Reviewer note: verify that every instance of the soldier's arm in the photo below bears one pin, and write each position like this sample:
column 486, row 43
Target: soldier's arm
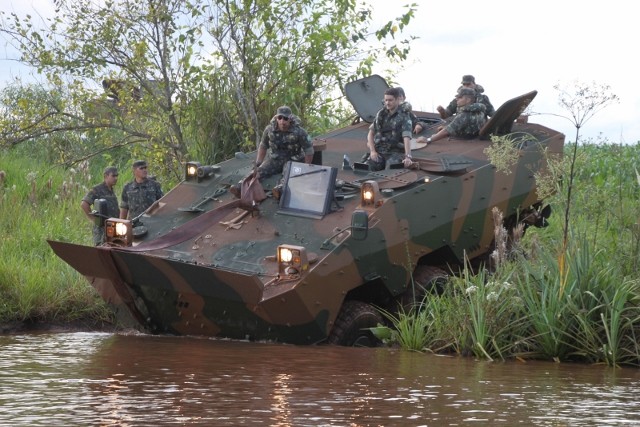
column 370, row 143
column 307, row 146
column 124, row 203
column 86, row 207
column 262, row 152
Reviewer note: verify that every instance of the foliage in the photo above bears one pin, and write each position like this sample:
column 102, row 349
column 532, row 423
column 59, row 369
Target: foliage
column 179, row 77
column 582, row 102
column 34, row 206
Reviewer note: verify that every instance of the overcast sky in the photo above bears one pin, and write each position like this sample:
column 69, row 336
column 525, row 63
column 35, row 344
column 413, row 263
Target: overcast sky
column 510, row 47
column 514, row 47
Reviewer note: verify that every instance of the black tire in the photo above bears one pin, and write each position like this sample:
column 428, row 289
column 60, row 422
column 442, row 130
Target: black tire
column 427, row 279
column 350, row 327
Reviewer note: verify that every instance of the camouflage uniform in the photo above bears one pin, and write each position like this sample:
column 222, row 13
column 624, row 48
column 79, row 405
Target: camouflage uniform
column 406, row 108
column 137, row 197
column 484, row 99
column 282, row 146
column 102, row 191
column 389, row 132
column 468, row 121
column 452, row 108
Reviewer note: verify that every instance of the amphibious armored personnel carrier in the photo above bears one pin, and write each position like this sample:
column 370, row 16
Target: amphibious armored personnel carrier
column 329, row 244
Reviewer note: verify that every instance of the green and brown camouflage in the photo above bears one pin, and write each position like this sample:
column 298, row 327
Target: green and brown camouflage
column 208, row 266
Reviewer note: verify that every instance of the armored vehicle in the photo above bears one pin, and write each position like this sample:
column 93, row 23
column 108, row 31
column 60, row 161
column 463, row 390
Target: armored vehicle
column 327, row 245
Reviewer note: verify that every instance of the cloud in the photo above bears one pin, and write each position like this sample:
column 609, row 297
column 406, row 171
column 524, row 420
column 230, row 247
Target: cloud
column 515, row 48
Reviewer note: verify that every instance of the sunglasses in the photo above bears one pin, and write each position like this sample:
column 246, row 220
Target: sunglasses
column 285, row 118
column 142, row 167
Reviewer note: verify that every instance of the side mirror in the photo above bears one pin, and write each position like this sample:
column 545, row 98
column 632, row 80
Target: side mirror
column 359, row 224
column 100, row 206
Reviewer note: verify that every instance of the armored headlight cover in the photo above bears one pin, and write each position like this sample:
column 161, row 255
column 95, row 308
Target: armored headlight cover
column 118, row 232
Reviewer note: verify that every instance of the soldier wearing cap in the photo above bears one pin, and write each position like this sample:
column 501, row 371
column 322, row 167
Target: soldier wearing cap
column 140, row 193
column 468, row 81
column 283, row 139
column 469, row 119
column 104, row 191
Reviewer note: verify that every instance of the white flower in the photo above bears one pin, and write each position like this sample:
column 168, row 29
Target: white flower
column 492, row 296
column 471, row 290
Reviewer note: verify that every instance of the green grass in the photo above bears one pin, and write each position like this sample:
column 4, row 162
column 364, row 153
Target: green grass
column 579, row 303
column 38, row 204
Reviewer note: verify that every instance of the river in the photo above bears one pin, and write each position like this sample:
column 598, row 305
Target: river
column 106, row 379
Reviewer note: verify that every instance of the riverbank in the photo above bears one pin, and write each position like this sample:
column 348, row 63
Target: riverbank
column 35, row 327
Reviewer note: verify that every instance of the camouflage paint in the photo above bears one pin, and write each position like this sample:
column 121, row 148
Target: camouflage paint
column 193, row 274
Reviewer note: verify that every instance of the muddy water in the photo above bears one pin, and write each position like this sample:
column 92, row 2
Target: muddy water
column 130, row 380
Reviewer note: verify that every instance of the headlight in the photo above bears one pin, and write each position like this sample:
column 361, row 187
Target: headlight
column 118, row 232
column 191, row 171
column 370, row 194
column 292, row 260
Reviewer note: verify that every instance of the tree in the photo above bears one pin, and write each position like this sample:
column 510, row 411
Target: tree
column 182, row 76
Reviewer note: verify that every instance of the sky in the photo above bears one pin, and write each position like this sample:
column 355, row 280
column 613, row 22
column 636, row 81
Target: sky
column 510, row 47
column 514, row 47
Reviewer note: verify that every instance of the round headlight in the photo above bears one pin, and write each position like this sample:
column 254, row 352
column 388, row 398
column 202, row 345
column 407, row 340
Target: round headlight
column 286, row 255
column 121, row 229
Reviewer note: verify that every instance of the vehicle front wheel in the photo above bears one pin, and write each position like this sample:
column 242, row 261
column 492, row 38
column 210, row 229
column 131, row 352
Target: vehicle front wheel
column 351, row 327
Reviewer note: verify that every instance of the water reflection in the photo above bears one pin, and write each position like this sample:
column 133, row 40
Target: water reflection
column 127, row 380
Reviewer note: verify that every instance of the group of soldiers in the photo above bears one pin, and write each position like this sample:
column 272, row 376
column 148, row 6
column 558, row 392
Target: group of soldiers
column 390, row 133
column 284, row 139
column 137, row 196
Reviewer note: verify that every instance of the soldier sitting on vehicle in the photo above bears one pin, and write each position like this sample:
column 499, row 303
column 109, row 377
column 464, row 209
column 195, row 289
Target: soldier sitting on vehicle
column 283, row 140
column 391, row 128
column 467, row 122
column 468, row 81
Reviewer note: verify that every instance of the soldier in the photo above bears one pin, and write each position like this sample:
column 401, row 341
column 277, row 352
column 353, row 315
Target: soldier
column 405, row 106
column 391, row 127
column 283, row 139
column 102, row 191
column 468, row 81
column 140, row 193
column 467, row 122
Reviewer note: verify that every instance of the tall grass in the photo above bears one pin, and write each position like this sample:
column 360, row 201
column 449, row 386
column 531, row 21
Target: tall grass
column 36, row 203
column 573, row 302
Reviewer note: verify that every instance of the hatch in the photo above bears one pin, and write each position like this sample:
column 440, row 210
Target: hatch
column 366, row 95
column 502, row 121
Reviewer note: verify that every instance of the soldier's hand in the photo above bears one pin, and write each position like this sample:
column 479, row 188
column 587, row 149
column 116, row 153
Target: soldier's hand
column 374, row 156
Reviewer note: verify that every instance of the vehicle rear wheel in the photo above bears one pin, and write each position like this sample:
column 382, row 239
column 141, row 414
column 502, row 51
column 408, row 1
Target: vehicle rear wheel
column 351, row 326
column 427, row 279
